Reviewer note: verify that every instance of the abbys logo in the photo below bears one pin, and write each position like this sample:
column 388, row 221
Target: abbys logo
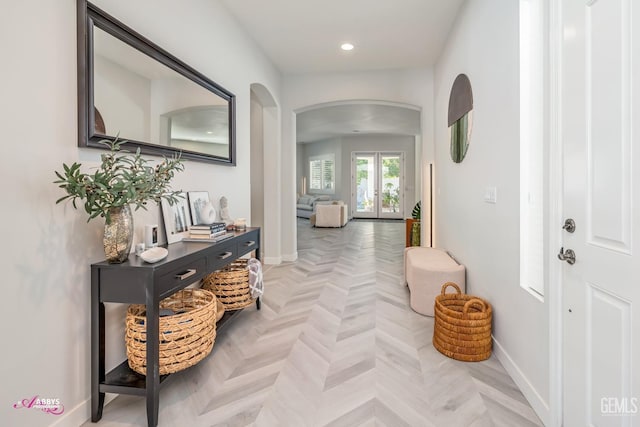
column 47, row 405
column 616, row 406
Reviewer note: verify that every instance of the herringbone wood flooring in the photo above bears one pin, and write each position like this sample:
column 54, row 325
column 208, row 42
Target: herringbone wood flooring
column 335, row 344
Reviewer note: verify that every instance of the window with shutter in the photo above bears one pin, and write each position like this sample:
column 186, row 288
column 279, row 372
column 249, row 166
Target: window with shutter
column 322, row 174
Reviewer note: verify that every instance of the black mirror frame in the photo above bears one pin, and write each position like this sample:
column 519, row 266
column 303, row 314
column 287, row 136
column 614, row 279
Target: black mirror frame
column 88, row 16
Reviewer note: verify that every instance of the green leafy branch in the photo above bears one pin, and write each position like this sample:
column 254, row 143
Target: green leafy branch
column 121, row 179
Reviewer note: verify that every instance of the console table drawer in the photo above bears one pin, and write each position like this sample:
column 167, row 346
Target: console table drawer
column 248, row 242
column 224, row 253
column 182, row 277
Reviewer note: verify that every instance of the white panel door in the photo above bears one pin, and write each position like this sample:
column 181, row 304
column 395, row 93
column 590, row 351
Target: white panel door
column 601, row 151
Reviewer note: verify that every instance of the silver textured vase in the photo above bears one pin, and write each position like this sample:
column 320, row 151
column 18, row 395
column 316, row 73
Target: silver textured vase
column 118, row 234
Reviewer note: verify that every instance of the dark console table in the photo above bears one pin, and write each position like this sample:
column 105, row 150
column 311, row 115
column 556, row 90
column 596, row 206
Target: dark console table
column 137, row 282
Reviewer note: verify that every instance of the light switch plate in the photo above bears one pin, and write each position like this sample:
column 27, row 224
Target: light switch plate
column 491, row 194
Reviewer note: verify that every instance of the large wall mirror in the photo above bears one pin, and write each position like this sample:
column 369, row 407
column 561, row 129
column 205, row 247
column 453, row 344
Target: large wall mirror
column 131, row 88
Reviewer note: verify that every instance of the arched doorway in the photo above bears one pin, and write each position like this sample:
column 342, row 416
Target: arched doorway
column 338, row 130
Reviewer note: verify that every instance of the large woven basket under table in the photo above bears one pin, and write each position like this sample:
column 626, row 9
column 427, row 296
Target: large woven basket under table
column 186, row 336
column 462, row 326
column 231, row 285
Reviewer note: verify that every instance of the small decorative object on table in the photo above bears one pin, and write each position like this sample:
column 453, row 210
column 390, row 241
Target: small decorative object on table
column 240, row 224
column 462, row 327
column 154, row 254
column 176, row 218
column 215, row 232
column 202, row 211
column 122, row 179
column 224, row 211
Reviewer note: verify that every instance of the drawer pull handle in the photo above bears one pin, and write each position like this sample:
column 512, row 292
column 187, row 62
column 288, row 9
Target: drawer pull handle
column 190, row 272
column 250, row 243
column 225, row 255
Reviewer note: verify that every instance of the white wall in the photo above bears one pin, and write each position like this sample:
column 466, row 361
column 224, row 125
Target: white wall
column 409, row 87
column 484, row 237
column 319, row 148
column 49, row 248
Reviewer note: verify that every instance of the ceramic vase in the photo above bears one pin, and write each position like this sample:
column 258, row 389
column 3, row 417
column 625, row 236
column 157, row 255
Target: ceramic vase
column 118, row 234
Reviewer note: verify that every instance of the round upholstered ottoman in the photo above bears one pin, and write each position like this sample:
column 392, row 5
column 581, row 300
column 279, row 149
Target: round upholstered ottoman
column 425, row 271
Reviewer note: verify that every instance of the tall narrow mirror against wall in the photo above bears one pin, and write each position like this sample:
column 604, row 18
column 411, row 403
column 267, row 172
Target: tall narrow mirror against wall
column 137, row 91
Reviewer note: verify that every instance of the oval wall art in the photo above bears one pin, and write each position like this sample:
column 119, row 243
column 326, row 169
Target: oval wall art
column 460, row 117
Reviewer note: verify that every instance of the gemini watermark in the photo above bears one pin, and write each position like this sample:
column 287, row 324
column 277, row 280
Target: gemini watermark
column 615, row 406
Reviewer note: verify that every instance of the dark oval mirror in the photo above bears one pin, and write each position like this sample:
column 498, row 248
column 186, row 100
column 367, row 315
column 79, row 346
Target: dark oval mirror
column 131, row 88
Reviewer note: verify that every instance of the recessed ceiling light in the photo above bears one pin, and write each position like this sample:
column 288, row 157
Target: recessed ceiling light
column 346, row 46
column 209, row 132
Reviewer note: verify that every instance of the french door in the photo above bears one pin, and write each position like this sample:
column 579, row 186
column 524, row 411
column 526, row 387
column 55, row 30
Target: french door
column 377, row 184
column 601, row 278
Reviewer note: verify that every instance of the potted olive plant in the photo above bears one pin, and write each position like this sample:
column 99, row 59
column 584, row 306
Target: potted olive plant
column 123, row 179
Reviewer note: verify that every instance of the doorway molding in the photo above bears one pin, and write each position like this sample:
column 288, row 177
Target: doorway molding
column 554, row 284
column 265, row 141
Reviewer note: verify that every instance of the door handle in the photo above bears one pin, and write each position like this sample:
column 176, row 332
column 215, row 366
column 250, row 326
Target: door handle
column 569, row 225
column 568, row 255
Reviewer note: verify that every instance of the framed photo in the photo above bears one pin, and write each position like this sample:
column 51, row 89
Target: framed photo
column 198, row 200
column 176, row 219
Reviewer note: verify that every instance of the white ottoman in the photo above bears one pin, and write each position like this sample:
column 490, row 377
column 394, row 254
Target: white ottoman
column 333, row 215
column 425, row 271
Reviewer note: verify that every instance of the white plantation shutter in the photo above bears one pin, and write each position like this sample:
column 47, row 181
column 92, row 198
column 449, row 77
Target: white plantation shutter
column 327, row 174
column 322, row 172
column 315, row 168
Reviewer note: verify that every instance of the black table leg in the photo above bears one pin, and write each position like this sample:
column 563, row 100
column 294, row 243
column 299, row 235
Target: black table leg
column 258, row 303
column 97, row 349
column 153, row 370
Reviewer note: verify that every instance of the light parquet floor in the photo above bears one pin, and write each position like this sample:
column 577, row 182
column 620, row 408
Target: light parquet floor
column 335, row 344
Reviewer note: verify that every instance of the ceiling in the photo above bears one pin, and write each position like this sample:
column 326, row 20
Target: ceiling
column 304, row 36
column 352, row 119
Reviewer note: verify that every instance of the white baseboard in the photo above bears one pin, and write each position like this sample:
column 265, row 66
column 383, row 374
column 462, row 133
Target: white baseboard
column 272, row 260
column 80, row 414
column 290, row 258
column 535, row 400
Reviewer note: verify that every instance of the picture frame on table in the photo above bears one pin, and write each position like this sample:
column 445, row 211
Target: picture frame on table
column 177, row 219
column 200, row 205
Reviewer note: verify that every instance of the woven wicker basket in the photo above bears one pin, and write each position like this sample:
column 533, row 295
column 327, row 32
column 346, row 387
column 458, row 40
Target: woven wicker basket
column 462, row 327
column 186, row 337
column 230, row 285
